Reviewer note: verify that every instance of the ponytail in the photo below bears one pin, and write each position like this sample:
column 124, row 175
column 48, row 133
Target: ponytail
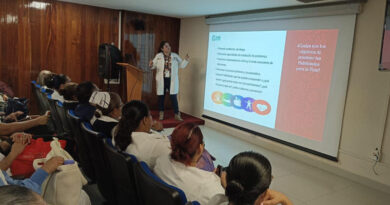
column 132, row 114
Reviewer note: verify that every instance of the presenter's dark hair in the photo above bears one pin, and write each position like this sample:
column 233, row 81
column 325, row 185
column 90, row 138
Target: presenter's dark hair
column 185, row 141
column 18, row 195
column 132, row 114
column 247, row 176
column 162, row 43
column 84, row 91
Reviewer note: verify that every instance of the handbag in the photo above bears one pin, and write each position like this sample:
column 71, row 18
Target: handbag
column 64, row 186
column 23, row 164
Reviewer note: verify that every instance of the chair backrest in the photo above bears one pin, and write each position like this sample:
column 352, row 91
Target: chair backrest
column 123, row 174
column 103, row 172
column 152, row 190
column 36, row 90
column 81, row 146
column 54, row 115
column 62, row 115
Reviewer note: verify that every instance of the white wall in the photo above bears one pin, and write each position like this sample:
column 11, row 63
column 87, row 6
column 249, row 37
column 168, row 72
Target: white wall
column 366, row 109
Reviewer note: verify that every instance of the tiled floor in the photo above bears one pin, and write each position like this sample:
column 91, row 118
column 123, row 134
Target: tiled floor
column 302, row 183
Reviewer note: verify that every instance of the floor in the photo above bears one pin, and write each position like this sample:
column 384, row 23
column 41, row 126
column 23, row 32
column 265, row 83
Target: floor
column 302, row 183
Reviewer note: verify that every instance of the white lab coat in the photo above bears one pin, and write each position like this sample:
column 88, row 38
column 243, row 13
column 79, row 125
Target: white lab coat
column 198, row 185
column 176, row 63
column 148, row 147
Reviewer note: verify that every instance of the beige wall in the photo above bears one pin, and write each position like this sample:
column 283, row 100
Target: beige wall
column 364, row 122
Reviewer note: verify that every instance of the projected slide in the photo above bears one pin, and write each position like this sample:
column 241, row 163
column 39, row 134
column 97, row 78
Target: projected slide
column 276, row 79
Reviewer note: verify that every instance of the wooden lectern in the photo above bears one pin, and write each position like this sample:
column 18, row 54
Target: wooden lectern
column 134, row 78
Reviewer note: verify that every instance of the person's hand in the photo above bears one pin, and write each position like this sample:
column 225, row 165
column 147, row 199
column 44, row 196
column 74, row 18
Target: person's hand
column 42, row 120
column 21, row 137
column 187, row 58
column 274, row 197
column 13, row 117
column 20, row 142
column 157, row 126
column 51, row 165
column 151, row 63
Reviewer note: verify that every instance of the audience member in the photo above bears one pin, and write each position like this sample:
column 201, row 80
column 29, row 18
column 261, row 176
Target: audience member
column 18, row 195
column 107, row 113
column 179, row 168
column 134, row 135
column 41, row 77
column 9, row 128
column 35, row 181
column 246, row 182
column 55, row 83
column 69, row 93
column 84, row 109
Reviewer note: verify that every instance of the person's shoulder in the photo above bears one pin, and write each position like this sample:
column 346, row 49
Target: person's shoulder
column 159, row 55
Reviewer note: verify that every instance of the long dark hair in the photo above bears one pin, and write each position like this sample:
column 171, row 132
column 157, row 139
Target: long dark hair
column 132, row 114
column 247, row 177
column 84, row 91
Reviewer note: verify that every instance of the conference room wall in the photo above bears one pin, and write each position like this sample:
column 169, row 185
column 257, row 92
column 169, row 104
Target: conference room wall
column 61, row 37
column 366, row 106
column 64, row 38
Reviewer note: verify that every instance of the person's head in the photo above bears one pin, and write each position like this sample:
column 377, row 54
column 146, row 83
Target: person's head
column 55, row 81
column 135, row 117
column 114, row 107
column 69, row 91
column 165, row 47
column 187, row 143
column 41, row 76
column 18, row 195
column 84, row 91
column 248, row 177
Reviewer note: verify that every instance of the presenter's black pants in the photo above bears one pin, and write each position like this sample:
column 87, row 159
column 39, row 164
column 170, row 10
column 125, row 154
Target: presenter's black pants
column 161, row 98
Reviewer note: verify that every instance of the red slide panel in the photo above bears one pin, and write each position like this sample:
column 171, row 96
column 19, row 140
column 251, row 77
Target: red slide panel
column 305, row 82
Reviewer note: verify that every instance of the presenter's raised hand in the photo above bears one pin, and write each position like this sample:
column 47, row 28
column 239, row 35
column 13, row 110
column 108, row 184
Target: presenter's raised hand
column 151, row 63
column 187, row 58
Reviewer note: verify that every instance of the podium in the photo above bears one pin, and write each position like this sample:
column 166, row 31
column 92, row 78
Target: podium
column 134, row 80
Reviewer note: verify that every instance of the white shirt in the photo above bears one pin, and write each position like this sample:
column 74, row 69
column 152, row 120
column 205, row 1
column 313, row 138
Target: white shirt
column 219, row 199
column 176, row 63
column 56, row 96
column 148, row 147
column 197, row 184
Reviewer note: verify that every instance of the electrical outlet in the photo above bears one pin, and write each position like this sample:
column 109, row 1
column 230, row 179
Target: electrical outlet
column 375, row 155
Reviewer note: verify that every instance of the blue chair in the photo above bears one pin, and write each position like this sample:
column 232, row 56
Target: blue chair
column 81, row 146
column 55, row 117
column 103, row 171
column 62, row 116
column 152, row 190
column 123, row 174
column 37, row 92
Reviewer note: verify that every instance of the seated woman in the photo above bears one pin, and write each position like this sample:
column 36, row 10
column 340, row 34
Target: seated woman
column 107, row 113
column 69, row 94
column 84, row 110
column 35, row 181
column 56, row 82
column 179, row 168
column 42, row 75
column 246, row 181
column 133, row 134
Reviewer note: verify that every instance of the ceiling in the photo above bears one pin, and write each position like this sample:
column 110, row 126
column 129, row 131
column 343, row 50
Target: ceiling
column 187, row 8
